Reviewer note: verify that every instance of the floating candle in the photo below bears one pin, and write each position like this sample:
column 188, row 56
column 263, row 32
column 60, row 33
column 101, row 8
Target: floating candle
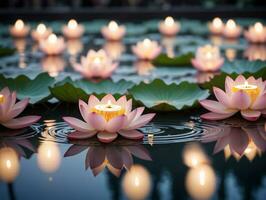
column 256, row 33
column 146, row 49
column 251, row 90
column 19, row 29
column 109, row 110
column 41, row 32
column 52, row 45
column 231, row 29
column 169, row 26
column 96, row 65
column 208, row 58
column 216, row 26
column 73, row 30
column 113, row 31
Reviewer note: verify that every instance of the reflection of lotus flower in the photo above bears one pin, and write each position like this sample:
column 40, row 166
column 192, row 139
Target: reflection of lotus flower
column 146, row 49
column 96, row 65
column 114, row 49
column 113, row 31
column 144, row 67
column 9, row 109
column 239, row 141
column 53, row 45
column 256, row 33
column 208, row 58
column 255, row 52
column 108, row 118
column 53, row 65
column 245, row 95
column 203, row 77
column 114, row 157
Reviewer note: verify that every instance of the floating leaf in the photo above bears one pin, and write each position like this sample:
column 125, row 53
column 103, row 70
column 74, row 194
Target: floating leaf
column 242, row 66
column 37, row 89
column 71, row 91
column 181, row 60
column 162, row 97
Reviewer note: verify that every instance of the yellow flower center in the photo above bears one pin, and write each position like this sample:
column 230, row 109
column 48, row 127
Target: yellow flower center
column 109, row 110
column 2, row 98
column 252, row 90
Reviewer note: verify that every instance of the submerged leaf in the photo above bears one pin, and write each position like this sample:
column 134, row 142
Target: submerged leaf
column 162, row 97
column 181, row 60
column 37, row 89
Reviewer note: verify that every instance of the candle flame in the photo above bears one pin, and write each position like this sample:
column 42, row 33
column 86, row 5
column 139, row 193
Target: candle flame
column 258, row 27
column 41, row 28
column 8, row 164
column 231, row 24
column 52, row 38
column 97, row 60
column 19, row 24
column 147, row 42
column 217, row 22
column 1, row 98
column 169, row 21
column 72, row 24
column 113, row 26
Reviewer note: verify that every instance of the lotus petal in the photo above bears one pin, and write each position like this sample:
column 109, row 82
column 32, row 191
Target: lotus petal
column 77, row 124
column 21, row 122
column 106, row 137
column 251, row 115
column 216, row 116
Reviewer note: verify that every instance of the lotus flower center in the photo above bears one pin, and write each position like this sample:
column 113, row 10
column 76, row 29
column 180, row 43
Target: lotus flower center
column 252, row 90
column 2, row 98
column 109, row 110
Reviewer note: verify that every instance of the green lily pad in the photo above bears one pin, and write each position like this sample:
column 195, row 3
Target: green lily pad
column 6, row 51
column 181, row 60
column 37, row 89
column 242, row 66
column 71, row 91
column 159, row 96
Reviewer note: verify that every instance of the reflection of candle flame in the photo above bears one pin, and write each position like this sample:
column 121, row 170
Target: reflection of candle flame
column 9, row 164
column 48, row 157
column 137, row 183
column 193, row 155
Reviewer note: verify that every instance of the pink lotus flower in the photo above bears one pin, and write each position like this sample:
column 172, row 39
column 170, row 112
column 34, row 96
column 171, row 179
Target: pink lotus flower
column 239, row 140
column 53, row 45
column 245, row 95
column 96, row 65
column 256, row 33
column 169, row 27
column 147, row 49
column 114, row 157
column 108, row 118
column 231, row 29
column 19, row 30
column 73, row 29
column 208, row 59
column 9, row 109
column 113, row 32
column 41, row 32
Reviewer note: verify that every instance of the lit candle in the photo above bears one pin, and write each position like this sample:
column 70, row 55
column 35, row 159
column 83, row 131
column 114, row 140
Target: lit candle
column 109, row 110
column 169, row 26
column 113, row 31
column 19, row 29
column 146, row 49
column 232, row 30
column 73, row 29
column 52, row 45
column 208, row 58
column 216, row 26
column 256, row 33
column 41, row 32
column 250, row 89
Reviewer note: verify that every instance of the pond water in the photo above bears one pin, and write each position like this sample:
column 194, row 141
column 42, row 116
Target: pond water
column 181, row 156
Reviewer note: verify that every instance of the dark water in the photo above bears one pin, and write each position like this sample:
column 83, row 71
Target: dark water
column 181, row 157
